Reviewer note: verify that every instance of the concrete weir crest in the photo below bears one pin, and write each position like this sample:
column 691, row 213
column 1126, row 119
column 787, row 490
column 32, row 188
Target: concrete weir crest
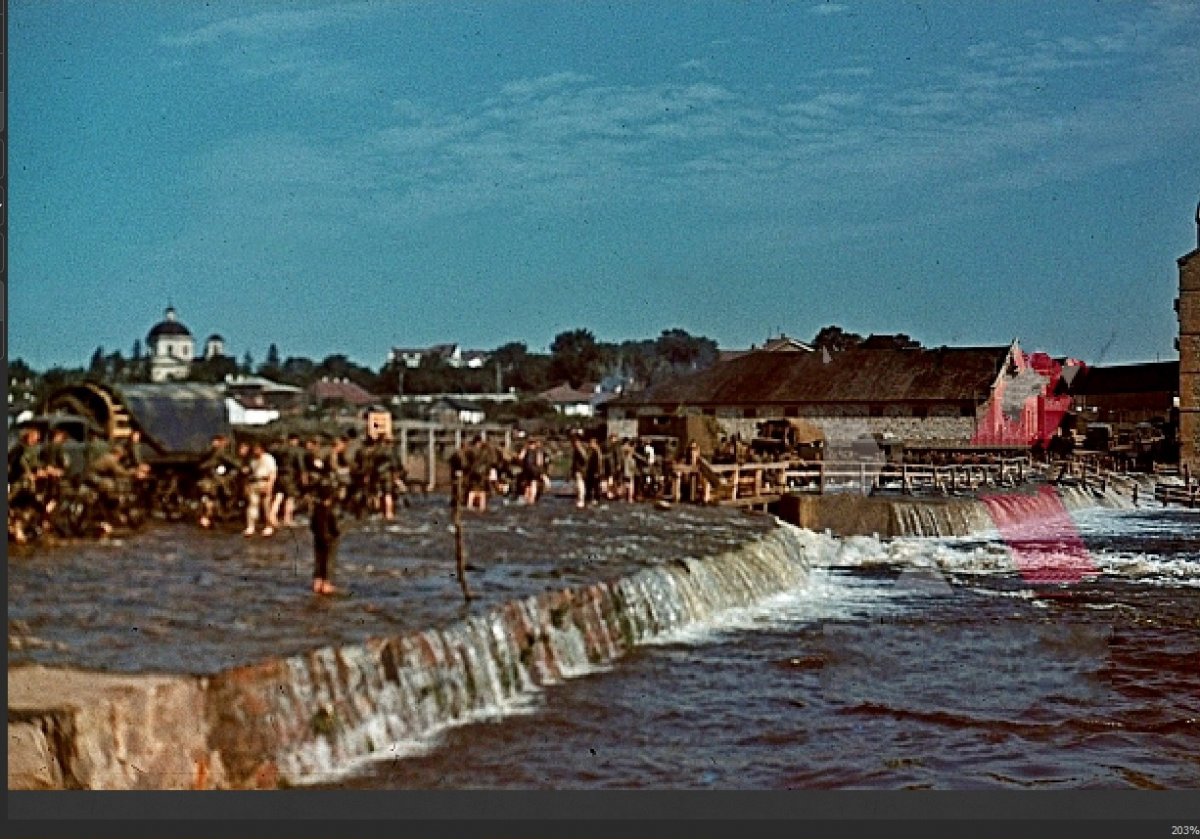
column 321, row 714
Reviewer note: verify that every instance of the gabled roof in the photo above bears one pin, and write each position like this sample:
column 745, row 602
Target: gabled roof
column 259, row 383
column 348, row 392
column 785, row 344
column 1149, row 377
column 856, row 375
column 565, row 394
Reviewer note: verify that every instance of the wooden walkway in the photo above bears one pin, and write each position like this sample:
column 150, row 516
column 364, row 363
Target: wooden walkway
column 760, row 484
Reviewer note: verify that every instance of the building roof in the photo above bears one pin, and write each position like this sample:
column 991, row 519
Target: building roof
column 564, row 394
column 258, row 383
column 169, row 325
column 856, row 375
column 1149, row 377
column 343, row 391
column 785, row 343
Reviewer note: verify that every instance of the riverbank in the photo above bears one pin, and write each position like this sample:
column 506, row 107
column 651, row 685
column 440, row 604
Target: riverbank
column 575, row 602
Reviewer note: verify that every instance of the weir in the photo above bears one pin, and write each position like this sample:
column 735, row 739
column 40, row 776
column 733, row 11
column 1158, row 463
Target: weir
column 322, row 713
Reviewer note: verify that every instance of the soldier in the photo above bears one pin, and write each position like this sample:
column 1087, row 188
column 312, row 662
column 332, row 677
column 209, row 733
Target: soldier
column 290, row 461
column 579, row 464
column 533, row 467
column 24, row 470
column 326, row 531
column 260, row 490
column 390, row 475
column 481, row 471
column 55, row 465
column 105, row 474
column 218, row 474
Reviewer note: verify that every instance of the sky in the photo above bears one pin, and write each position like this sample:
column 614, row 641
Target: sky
column 343, row 178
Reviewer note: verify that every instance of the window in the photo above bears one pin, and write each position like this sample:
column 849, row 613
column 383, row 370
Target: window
column 749, row 413
column 875, row 411
column 920, row 412
column 791, row 412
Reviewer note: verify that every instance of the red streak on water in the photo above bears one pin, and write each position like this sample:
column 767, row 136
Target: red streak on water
column 1044, row 540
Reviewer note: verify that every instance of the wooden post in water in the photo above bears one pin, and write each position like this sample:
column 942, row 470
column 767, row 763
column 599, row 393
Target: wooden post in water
column 460, row 553
column 431, row 462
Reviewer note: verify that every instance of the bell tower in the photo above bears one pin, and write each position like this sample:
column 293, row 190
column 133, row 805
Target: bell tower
column 1188, row 307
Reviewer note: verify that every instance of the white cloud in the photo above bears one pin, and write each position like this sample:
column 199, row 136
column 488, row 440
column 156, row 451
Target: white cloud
column 975, row 123
column 829, row 8
column 269, row 24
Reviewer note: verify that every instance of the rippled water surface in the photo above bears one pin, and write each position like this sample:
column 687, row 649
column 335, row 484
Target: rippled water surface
column 174, row 598
column 903, row 665
column 911, row 663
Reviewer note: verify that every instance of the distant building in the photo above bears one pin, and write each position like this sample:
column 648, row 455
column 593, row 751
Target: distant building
column 572, row 402
column 450, row 410
column 1125, row 394
column 948, row 397
column 214, row 347
column 171, row 348
column 255, row 400
column 340, row 392
column 782, row 343
column 1188, row 307
column 452, row 354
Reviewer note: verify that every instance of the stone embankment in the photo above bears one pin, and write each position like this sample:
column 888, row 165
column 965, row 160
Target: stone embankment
column 318, row 714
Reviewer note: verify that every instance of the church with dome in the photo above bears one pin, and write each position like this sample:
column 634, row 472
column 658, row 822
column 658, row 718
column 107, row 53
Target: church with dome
column 172, row 348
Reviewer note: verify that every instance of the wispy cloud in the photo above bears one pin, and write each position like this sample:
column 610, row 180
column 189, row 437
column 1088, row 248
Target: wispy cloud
column 273, row 24
column 978, row 122
column 829, row 9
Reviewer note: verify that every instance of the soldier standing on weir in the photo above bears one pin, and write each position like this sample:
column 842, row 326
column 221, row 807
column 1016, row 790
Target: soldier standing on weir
column 326, row 531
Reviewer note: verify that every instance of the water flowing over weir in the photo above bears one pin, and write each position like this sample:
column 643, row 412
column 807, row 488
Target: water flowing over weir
column 321, row 714
column 417, row 666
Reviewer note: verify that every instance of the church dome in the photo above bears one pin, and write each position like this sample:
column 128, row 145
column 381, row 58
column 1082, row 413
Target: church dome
column 169, row 327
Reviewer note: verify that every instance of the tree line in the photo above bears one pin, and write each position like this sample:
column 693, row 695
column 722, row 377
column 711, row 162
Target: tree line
column 576, row 357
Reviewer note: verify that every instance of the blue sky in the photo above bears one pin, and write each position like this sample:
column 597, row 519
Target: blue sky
column 347, row 177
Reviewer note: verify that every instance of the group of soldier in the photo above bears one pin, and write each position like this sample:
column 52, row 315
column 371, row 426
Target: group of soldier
column 616, row 469
column 56, row 485
column 273, row 483
column 266, row 483
column 68, row 488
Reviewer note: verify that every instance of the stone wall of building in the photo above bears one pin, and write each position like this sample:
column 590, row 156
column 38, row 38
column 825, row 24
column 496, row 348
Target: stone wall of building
column 842, row 424
column 1189, row 360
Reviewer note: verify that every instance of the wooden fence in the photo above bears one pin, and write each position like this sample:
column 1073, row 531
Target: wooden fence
column 760, row 484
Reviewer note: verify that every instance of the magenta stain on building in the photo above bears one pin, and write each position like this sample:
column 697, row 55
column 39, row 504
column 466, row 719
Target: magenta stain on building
column 1025, row 407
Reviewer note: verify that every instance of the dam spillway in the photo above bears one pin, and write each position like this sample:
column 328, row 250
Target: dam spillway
column 567, row 594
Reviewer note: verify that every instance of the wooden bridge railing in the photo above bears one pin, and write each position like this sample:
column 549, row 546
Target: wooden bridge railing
column 752, row 484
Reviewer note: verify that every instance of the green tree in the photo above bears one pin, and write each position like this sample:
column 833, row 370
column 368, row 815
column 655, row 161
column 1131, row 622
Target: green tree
column 97, row 369
column 834, row 339
column 575, row 357
column 213, row 370
column 270, row 368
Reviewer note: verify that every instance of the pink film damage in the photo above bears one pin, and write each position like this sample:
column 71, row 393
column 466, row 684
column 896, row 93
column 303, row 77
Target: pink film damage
column 1044, row 540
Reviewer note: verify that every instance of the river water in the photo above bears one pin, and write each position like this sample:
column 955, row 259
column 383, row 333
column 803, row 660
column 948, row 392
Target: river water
column 912, row 663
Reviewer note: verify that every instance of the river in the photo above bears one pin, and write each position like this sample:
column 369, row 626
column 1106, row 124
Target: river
column 911, row 663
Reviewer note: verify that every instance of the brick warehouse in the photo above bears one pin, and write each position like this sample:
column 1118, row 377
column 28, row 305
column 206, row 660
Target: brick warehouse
column 1188, row 307
column 948, row 397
